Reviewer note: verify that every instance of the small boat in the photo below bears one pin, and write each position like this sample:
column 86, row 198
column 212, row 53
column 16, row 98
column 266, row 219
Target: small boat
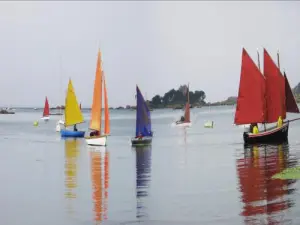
column 143, row 132
column 46, row 111
column 268, row 98
column 96, row 138
column 73, row 114
column 185, row 120
column 209, row 124
column 6, row 111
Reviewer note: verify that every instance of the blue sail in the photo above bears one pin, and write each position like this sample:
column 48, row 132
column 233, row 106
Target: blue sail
column 143, row 120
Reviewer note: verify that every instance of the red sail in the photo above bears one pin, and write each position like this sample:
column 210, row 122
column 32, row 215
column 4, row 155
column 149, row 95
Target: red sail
column 187, row 118
column 251, row 104
column 46, row 108
column 274, row 86
column 291, row 105
column 283, row 95
column 187, row 113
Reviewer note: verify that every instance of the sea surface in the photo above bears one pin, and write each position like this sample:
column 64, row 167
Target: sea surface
column 188, row 176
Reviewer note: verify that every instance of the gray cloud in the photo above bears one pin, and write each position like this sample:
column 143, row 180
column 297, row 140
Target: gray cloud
column 158, row 45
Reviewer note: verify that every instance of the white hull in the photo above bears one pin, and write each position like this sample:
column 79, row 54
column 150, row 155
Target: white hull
column 45, row 118
column 58, row 125
column 58, row 128
column 61, row 122
column 182, row 124
column 96, row 141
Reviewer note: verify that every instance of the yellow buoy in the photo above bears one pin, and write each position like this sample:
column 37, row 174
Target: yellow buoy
column 35, row 123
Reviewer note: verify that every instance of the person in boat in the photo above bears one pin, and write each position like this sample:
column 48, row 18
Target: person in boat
column 94, row 133
column 279, row 122
column 75, row 128
column 181, row 120
column 254, row 128
column 139, row 136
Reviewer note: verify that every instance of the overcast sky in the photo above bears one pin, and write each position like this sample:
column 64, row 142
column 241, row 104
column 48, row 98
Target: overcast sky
column 157, row 45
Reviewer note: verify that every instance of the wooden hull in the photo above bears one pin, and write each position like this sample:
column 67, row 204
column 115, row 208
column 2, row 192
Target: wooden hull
column 71, row 133
column 141, row 141
column 275, row 135
column 96, row 140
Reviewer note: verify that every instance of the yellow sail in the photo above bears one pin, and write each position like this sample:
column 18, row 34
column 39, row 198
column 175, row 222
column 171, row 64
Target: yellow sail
column 96, row 115
column 73, row 113
column 106, row 110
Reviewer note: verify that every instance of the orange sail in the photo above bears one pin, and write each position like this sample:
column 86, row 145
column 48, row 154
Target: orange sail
column 96, row 116
column 274, row 89
column 251, row 104
column 46, row 108
column 106, row 110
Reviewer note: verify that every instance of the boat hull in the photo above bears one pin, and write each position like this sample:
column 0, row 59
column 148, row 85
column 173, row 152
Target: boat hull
column 141, row 141
column 184, row 124
column 274, row 135
column 96, row 140
column 45, row 118
column 70, row 133
column 209, row 124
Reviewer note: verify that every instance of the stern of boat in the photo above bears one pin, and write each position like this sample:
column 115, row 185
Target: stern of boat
column 96, row 140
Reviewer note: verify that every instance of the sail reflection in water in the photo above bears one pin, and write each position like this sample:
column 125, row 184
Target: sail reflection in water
column 71, row 155
column 143, row 177
column 100, row 177
column 265, row 199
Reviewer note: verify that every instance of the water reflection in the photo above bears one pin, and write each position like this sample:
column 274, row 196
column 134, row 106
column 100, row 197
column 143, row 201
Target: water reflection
column 71, row 155
column 143, row 177
column 265, row 199
column 100, row 178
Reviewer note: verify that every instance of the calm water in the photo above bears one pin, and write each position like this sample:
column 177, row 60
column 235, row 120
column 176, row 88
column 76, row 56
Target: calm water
column 192, row 176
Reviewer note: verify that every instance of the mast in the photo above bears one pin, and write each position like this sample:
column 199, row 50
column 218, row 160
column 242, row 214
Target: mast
column 283, row 92
column 188, row 94
column 278, row 60
column 258, row 60
column 60, row 83
column 258, row 63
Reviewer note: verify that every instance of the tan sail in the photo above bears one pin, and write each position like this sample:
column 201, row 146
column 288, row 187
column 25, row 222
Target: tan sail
column 106, row 110
column 96, row 115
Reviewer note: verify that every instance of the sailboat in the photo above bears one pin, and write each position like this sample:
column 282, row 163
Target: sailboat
column 96, row 138
column 46, row 111
column 185, row 120
column 73, row 114
column 267, row 99
column 143, row 132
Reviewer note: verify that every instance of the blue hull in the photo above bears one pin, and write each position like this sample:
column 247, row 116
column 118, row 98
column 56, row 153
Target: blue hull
column 71, row 133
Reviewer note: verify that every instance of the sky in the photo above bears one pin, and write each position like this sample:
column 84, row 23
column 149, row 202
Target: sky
column 157, row 45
